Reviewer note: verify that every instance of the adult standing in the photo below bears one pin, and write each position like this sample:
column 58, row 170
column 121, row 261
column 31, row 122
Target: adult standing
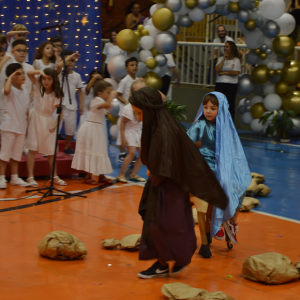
column 293, row 8
column 133, row 16
column 228, row 68
column 110, row 50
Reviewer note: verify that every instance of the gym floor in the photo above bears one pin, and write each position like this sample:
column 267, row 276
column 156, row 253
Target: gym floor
column 111, row 212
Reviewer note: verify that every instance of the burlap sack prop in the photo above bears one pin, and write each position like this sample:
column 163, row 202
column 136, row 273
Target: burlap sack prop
column 249, row 203
column 195, row 216
column 270, row 268
column 256, row 189
column 258, row 178
column 131, row 242
column 178, row 290
column 61, row 245
column 110, row 243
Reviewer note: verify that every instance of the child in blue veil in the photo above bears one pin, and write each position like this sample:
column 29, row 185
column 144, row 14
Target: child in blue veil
column 215, row 135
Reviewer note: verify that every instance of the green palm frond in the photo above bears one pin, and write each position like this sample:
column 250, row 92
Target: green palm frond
column 176, row 110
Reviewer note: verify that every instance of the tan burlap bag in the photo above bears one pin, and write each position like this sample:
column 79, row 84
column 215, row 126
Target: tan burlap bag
column 256, row 189
column 263, row 190
column 270, row 268
column 249, row 203
column 61, row 245
column 178, row 290
column 258, row 178
column 110, row 243
column 131, row 242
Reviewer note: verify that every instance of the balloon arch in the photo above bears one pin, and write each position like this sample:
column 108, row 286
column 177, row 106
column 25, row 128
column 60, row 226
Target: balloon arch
column 266, row 27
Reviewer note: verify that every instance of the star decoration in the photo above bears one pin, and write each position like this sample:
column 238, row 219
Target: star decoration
column 84, row 20
column 51, row 5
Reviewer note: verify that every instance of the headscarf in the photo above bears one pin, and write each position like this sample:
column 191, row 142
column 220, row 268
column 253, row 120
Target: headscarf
column 232, row 168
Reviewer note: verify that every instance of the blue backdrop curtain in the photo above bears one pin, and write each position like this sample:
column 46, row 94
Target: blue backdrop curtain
column 82, row 35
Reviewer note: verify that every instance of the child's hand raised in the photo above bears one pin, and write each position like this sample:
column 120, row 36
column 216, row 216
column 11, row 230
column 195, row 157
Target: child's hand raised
column 75, row 56
column 44, row 75
column 16, row 74
column 113, row 94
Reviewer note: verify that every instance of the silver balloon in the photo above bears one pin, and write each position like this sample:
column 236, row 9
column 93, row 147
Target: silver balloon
column 243, row 16
column 219, row 9
column 252, row 58
column 225, row 10
column 260, row 22
column 161, row 60
column 258, row 89
column 165, row 42
column 142, row 70
column 185, row 21
column 203, row 4
column 245, row 85
column 296, row 128
column 269, row 51
column 211, row 2
column 281, row 59
column 177, row 27
column 245, row 4
column 247, row 108
column 173, row 5
column 116, row 66
column 263, row 48
column 247, row 102
column 271, row 29
column 241, row 109
column 253, row 6
column 115, row 108
column 254, row 9
column 275, row 79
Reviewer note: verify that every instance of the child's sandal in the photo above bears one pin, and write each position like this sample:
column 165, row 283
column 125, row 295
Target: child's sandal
column 32, row 183
column 103, row 179
column 121, row 179
column 90, row 181
column 59, row 181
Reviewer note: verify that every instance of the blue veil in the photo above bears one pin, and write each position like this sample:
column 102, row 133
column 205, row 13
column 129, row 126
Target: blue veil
column 232, row 168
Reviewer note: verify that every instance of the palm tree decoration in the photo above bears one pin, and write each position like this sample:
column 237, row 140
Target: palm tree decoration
column 280, row 124
column 177, row 111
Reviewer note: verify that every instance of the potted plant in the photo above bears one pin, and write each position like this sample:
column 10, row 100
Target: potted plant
column 176, row 110
column 279, row 125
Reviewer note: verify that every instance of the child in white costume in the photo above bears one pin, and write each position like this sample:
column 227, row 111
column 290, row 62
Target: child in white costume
column 41, row 129
column 91, row 153
column 44, row 57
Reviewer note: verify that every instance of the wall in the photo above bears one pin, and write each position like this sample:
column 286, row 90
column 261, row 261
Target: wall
column 117, row 14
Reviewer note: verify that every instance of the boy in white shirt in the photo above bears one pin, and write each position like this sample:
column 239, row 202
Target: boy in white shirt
column 14, row 125
column 70, row 110
column 131, row 65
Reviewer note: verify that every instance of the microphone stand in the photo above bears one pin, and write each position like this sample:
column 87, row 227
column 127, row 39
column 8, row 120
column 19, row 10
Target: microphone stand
column 48, row 191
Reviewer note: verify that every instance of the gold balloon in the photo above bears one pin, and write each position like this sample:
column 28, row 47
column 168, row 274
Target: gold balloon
column 281, row 87
column 154, row 52
column 278, row 72
column 127, row 40
column 153, row 80
column 140, row 27
column 250, row 25
column 212, row 2
column 145, row 32
column 283, row 46
column 271, row 72
column 260, row 74
column 234, row 7
column 151, row 63
column 291, row 72
column 263, row 55
column 257, row 110
column 257, row 51
column 138, row 34
column 112, row 119
column 291, row 101
column 257, row 3
column 191, row 3
column 163, row 19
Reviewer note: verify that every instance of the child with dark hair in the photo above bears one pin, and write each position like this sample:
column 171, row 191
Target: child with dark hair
column 44, row 57
column 91, row 153
column 14, row 125
column 57, row 42
column 131, row 66
column 215, row 135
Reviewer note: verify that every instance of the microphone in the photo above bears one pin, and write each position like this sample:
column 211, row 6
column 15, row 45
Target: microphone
column 56, row 26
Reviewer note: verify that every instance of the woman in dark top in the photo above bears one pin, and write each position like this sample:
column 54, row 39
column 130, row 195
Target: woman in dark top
column 133, row 16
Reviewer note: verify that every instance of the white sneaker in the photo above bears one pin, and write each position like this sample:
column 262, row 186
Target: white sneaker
column 3, row 184
column 19, row 182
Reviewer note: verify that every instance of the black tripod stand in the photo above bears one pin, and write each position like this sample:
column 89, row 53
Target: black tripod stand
column 49, row 190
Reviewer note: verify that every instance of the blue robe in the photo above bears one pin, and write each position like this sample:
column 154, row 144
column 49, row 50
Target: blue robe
column 231, row 165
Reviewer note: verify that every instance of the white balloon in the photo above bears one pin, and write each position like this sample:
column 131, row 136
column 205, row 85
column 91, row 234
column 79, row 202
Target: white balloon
column 150, row 22
column 163, row 71
column 147, row 42
column 254, row 39
column 256, row 126
column 183, row 10
column 210, row 9
column 153, row 31
column 231, row 16
column 176, row 17
column 196, row 14
column 286, row 23
column 268, row 41
column 153, row 9
column 142, row 70
column 278, row 65
column 114, row 131
column 256, row 99
column 145, row 55
column 173, row 29
column 156, row 70
column 116, row 66
column 247, row 118
column 134, row 54
column 269, row 88
column 272, row 102
column 271, row 63
column 272, row 9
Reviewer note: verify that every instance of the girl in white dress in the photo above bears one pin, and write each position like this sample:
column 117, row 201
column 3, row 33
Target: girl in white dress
column 130, row 137
column 44, row 57
column 91, row 153
column 41, row 130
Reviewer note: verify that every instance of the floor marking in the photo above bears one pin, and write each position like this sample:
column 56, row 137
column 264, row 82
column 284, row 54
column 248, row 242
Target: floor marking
column 274, row 216
column 13, row 199
column 270, row 142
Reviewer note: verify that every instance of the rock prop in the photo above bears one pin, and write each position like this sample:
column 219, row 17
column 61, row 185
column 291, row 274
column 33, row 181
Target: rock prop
column 61, row 245
column 257, row 188
column 178, row 290
column 249, row 203
column 129, row 243
column 270, row 268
